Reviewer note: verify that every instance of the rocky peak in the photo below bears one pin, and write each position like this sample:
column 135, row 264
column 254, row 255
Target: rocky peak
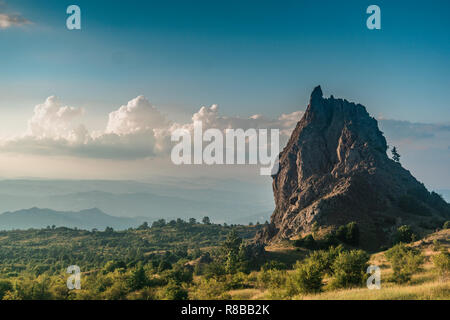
column 334, row 169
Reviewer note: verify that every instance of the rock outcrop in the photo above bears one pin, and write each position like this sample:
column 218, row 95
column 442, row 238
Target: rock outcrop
column 335, row 169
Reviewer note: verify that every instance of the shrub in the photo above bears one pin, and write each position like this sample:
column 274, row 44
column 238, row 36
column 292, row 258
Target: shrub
column 208, row 289
column 404, row 234
column 307, row 242
column 441, row 262
column 348, row 233
column 307, row 277
column 326, row 258
column 274, row 265
column 446, row 224
column 138, row 278
column 5, row 286
column 349, row 268
column 271, row 279
column 174, row 291
column 405, row 262
column 214, row 270
column 179, row 274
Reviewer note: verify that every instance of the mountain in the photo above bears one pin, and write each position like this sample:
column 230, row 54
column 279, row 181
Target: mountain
column 335, row 170
column 85, row 219
column 223, row 200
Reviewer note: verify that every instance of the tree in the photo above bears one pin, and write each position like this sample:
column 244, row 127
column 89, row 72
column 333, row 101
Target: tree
column 308, row 277
column 206, row 220
column 174, row 291
column 441, row 262
column 109, row 230
column 405, row 262
column 404, row 234
column 5, row 286
column 348, row 233
column 349, row 268
column 138, row 279
column 395, row 155
column 159, row 223
column 143, row 226
column 192, row 221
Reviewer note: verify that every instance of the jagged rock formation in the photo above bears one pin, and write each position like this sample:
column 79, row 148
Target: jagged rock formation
column 335, row 169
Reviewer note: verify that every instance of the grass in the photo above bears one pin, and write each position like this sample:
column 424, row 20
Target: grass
column 425, row 285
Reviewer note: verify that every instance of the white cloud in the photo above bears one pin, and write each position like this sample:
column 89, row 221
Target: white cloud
column 135, row 130
column 53, row 121
column 137, row 116
column 11, row 20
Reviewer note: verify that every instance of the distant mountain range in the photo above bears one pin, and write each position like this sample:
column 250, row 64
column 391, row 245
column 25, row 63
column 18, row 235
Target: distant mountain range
column 85, row 219
column 221, row 200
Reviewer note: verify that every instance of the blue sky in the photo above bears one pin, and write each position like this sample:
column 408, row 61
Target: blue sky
column 249, row 57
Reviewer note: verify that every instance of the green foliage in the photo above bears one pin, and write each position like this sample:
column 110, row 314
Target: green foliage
column 143, row 226
column 405, row 262
column 179, row 274
column 206, row 220
column 5, row 286
column 214, row 269
column 307, row 277
column 273, row 265
column 446, row 225
column 441, row 262
column 395, row 155
column 349, row 268
column 307, row 242
column 159, row 223
column 271, row 279
column 326, row 258
column 404, row 234
column 348, row 233
column 138, row 278
column 174, row 291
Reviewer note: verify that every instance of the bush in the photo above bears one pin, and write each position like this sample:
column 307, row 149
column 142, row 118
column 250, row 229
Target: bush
column 138, row 278
column 214, row 270
column 179, row 274
column 441, row 262
column 271, row 279
column 307, row 242
column 404, row 234
column 5, row 286
column 273, row 265
column 405, row 262
column 307, row 277
column 174, row 291
column 349, row 269
column 446, row 224
column 326, row 258
column 348, row 233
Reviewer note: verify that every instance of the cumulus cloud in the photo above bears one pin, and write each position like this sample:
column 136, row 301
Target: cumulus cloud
column 135, row 130
column 137, row 116
column 11, row 20
column 54, row 121
column 139, row 130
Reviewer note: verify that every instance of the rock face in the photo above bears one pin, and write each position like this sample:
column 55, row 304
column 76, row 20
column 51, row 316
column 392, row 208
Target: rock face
column 335, row 169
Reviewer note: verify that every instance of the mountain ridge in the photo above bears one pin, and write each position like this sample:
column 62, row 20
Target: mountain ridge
column 87, row 219
column 335, row 170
